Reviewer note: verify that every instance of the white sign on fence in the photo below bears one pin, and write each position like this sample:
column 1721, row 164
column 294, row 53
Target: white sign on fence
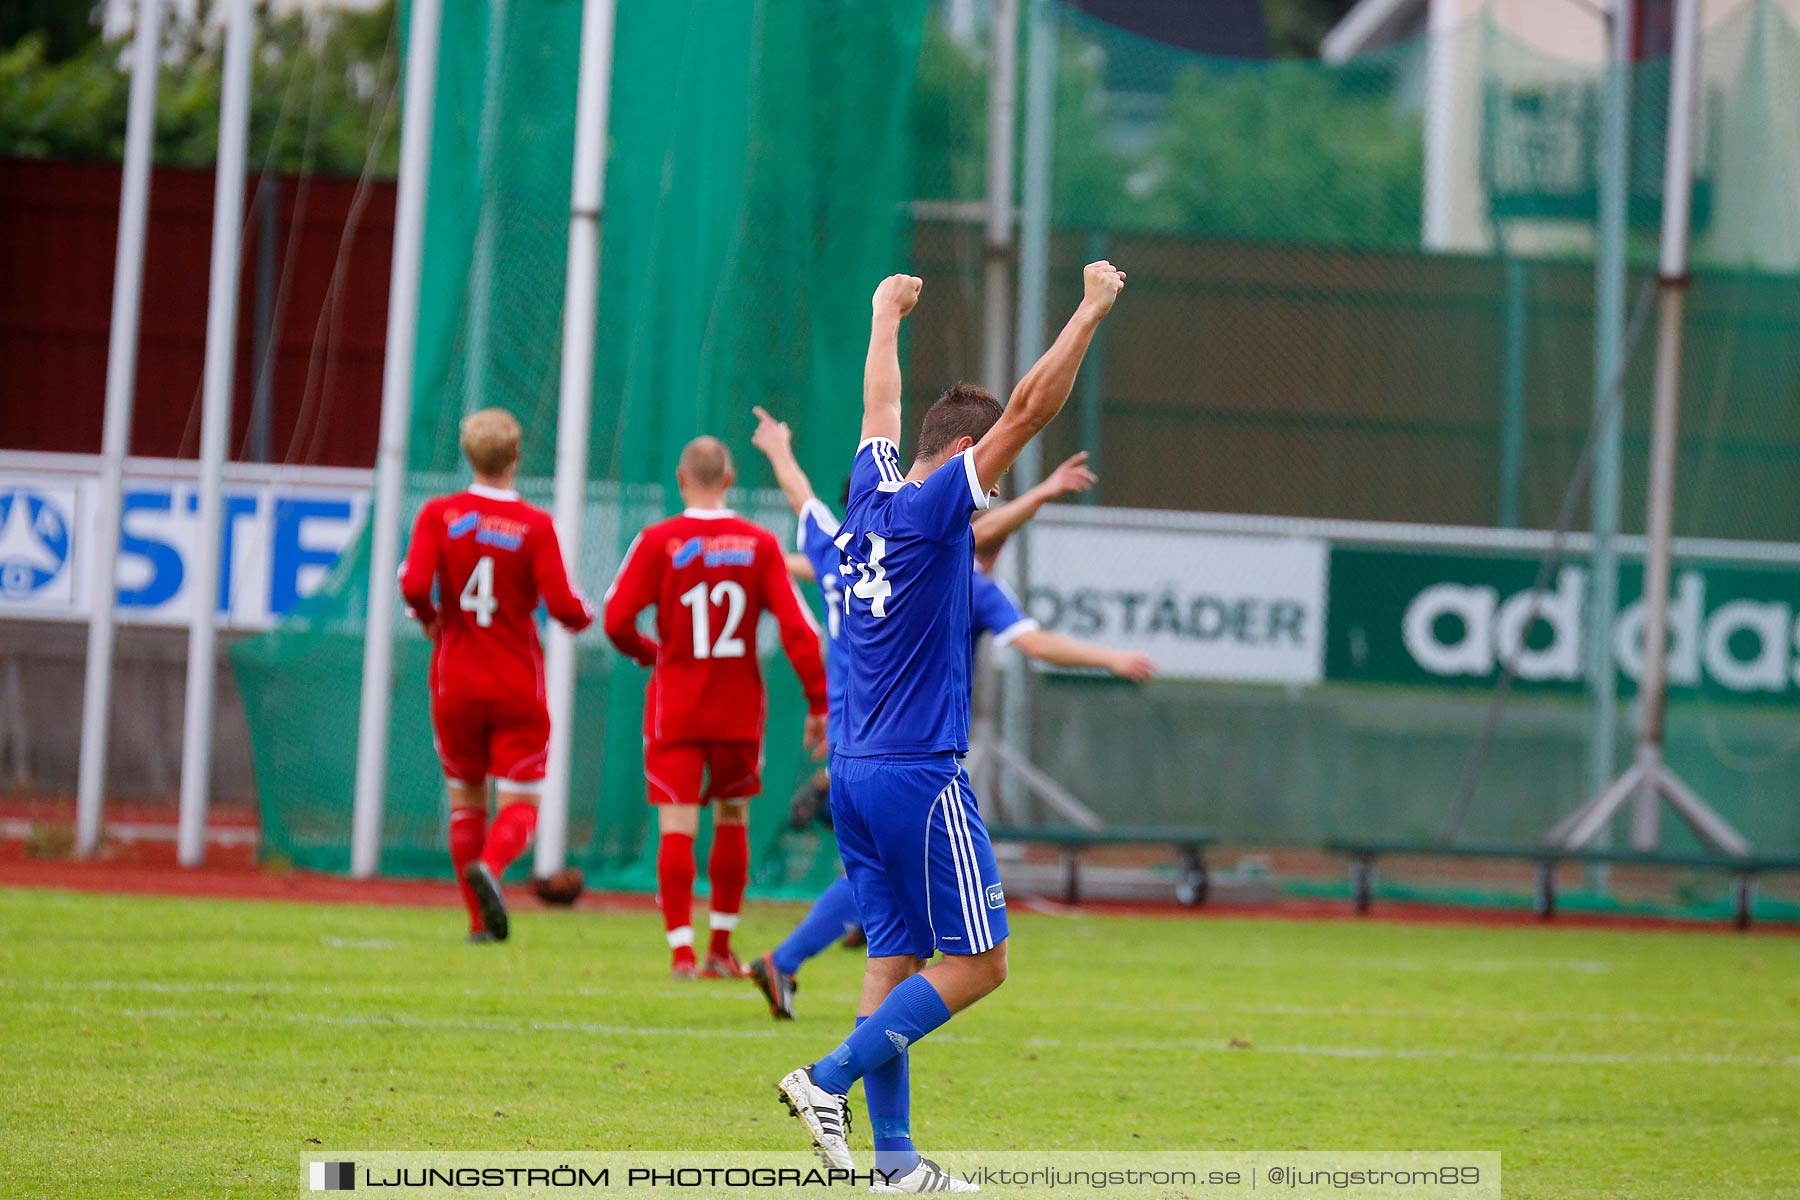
column 1204, row 606
column 284, row 528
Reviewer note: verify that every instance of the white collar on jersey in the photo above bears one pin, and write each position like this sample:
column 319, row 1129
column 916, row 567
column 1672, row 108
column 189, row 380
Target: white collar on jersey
column 492, row 493
column 708, row 514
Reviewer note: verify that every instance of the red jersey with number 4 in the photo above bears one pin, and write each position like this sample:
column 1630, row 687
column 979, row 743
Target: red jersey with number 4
column 710, row 574
column 493, row 557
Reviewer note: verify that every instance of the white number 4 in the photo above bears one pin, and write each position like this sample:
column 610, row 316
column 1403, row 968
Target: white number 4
column 478, row 593
column 872, row 583
column 731, row 595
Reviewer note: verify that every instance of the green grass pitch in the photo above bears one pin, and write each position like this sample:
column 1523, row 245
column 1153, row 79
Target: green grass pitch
column 198, row 1047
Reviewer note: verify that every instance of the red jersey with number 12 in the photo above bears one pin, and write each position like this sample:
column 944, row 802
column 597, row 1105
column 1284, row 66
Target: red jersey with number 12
column 492, row 557
column 710, row 574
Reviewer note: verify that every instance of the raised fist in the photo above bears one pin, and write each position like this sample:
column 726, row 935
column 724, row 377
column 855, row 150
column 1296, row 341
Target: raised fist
column 1101, row 284
column 897, row 294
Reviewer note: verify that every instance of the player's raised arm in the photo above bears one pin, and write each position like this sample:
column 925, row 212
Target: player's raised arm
column 799, row 639
column 881, row 370
column 633, row 590
column 567, row 606
column 1045, row 389
column 776, row 441
column 800, row 567
column 995, row 525
column 419, row 571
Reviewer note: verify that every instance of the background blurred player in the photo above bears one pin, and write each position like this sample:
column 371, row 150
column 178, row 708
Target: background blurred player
column 709, row 574
column 995, row 613
column 498, row 556
column 909, row 828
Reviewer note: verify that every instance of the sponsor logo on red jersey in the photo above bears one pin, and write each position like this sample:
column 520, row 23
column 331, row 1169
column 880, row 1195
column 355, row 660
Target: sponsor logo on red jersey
column 719, row 550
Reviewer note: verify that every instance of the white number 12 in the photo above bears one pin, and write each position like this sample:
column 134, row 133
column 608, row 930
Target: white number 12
column 731, row 595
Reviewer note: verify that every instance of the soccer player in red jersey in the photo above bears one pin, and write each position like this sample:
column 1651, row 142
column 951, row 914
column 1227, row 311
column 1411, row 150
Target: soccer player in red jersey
column 709, row 574
column 492, row 558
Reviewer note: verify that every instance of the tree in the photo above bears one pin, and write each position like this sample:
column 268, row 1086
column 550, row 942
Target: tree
column 322, row 88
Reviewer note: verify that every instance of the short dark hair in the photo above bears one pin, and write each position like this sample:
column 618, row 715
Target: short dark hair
column 964, row 410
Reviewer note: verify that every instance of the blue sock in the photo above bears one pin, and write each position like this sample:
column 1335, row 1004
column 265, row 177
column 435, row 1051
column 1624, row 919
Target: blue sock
column 887, row 1090
column 910, row 1011
column 832, row 916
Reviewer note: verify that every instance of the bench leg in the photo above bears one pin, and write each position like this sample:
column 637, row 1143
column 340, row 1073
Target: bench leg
column 1743, row 899
column 1546, row 890
column 1194, row 883
column 1071, row 872
column 1362, row 884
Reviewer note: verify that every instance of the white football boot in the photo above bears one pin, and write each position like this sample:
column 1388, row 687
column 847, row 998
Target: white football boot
column 825, row 1115
column 926, row 1177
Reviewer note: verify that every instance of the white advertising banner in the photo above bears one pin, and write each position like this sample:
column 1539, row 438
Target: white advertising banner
column 1203, row 606
column 284, row 529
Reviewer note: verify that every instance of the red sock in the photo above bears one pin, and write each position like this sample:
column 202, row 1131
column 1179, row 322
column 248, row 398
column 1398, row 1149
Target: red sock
column 468, row 829
column 506, row 840
column 729, row 870
column 675, row 887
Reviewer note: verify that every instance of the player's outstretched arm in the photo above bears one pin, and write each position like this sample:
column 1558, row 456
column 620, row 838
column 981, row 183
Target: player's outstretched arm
column 799, row 640
column 1063, row 651
column 776, row 441
column 567, row 606
column 881, row 370
column 419, row 571
column 633, row 590
column 1045, row 389
column 800, row 567
column 994, row 526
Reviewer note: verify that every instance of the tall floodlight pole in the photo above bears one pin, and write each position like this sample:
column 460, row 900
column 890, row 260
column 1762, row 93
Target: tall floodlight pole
column 1002, row 123
column 396, row 419
column 1649, row 776
column 215, row 430
column 115, row 439
column 575, row 404
column 1614, row 171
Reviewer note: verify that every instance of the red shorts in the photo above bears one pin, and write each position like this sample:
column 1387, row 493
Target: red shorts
column 733, row 771
column 506, row 739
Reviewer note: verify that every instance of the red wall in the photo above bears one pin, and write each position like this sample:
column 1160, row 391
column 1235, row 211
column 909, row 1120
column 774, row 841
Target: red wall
column 58, row 235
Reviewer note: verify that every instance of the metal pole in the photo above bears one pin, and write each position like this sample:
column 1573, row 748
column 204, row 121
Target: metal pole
column 115, row 440
column 1443, row 51
column 1512, row 391
column 996, row 312
column 1028, row 335
column 396, row 418
column 215, row 429
column 262, row 399
column 481, row 285
column 1649, row 777
column 1614, row 170
column 1671, row 283
column 575, row 405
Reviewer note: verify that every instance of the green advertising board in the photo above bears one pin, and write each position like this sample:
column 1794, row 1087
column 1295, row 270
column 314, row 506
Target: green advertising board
column 1455, row 618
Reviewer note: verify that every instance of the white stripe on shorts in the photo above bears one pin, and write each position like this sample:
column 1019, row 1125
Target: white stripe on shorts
column 978, row 893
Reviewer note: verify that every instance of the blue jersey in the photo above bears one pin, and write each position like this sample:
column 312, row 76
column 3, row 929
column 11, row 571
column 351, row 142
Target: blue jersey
column 996, row 613
column 813, row 539
column 907, row 549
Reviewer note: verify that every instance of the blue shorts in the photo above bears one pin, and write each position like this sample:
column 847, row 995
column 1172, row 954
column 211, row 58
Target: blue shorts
column 918, row 857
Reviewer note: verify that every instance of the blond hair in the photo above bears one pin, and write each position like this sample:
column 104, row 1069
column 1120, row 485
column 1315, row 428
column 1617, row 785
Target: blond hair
column 490, row 440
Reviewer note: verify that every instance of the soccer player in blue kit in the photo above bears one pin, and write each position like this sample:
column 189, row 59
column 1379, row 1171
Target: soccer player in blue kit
column 994, row 613
column 908, row 827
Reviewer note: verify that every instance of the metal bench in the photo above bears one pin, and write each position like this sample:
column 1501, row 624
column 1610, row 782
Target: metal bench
column 1189, row 844
column 1545, row 859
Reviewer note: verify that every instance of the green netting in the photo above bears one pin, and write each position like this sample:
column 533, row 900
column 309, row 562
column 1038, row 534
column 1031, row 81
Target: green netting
column 755, row 183
column 1339, row 309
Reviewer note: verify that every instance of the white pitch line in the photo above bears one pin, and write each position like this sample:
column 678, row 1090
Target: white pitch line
column 1156, row 1046
column 1416, row 1014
